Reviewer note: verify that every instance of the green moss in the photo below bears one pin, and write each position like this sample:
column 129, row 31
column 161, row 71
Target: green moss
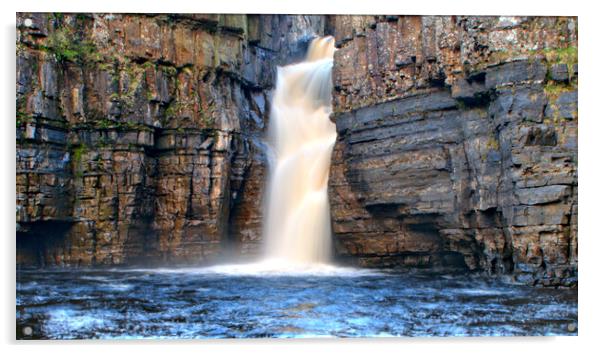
column 135, row 76
column 171, row 110
column 67, row 47
column 129, row 125
column 106, row 66
column 169, row 70
column 149, row 95
column 493, row 144
column 104, row 124
column 58, row 17
column 78, row 152
column 23, row 118
column 207, row 115
column 568, row 56
column 148, row 64
column 553, row 90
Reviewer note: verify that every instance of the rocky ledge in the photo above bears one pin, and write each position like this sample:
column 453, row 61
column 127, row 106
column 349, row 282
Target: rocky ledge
column 457, row 144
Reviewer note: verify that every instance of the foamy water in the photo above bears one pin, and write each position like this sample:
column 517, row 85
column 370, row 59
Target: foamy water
column 266, row 268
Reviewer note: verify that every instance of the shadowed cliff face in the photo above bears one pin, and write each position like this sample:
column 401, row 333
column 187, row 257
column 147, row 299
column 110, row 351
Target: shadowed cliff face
column 457, row 144
column 139, row 136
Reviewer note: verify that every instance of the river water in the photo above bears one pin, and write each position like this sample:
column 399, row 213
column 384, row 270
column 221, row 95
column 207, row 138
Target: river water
column 222, row 302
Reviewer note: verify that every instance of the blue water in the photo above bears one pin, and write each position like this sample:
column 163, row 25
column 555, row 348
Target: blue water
column 212, row 304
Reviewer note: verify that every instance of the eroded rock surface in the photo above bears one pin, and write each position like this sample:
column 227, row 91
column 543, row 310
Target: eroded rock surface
column 457, row 144
column 139, row 136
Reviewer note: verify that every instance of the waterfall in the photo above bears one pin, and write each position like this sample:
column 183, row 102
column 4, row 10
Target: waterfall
column 301, row 137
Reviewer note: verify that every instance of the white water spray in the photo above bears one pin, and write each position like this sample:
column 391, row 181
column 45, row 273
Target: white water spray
column 301, row 135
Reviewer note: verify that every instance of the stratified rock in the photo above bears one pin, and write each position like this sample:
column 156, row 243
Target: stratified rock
column 134, row 134
column 455, row 147
column 139, row 139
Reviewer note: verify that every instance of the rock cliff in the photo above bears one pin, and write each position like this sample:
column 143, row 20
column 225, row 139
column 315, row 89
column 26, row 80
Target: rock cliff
column 139, row 139
column 457, row 144
column 138, row 136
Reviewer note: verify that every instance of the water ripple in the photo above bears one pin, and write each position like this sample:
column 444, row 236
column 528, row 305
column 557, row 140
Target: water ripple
column 238, row 301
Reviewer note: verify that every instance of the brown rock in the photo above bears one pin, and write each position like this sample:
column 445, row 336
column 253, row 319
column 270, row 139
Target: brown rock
column 136, row 150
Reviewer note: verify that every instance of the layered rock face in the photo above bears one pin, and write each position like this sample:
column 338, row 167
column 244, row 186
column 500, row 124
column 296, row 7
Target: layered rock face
column 139, row 139
column 457, row 144
column 138, row 136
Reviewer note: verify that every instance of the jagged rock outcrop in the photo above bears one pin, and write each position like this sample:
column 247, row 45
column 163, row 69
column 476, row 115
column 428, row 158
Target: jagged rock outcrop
column 457, row 144
column 138, row 136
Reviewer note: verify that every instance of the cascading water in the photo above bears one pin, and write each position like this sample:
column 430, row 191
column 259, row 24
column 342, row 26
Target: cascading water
column 301, row 136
